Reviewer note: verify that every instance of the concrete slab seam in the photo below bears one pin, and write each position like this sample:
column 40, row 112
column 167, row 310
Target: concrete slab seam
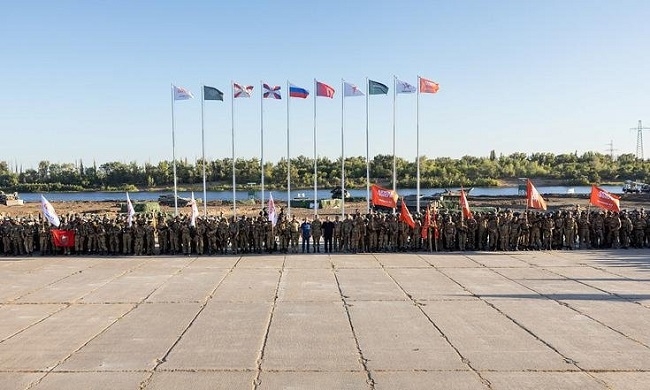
column 260, row 358
column 135, row 306
column 465, row 360
column 514, row 321
column 147, row 380
column 567, row 305
column 362, row 360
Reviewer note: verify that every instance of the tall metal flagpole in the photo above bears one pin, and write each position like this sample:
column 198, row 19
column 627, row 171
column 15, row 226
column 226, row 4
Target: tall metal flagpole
column 394, row 119
column 262, row 138
column 417, row 146
column 367, row 149
column 205, row 193
column 315, row 163
column 342, row 148
column 288, row 155
column 174, row 155
column 232, row 116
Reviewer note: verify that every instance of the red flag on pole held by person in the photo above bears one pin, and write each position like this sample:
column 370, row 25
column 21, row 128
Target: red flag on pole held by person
column 533, row 199
column 434, row 225
column 467, row 213
column 424, row 233
column 383, row 197
column 604, row 199
column 406, row 216
column 63, row 238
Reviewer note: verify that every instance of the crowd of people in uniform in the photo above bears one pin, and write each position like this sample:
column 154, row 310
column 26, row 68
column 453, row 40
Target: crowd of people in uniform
column 354, row 233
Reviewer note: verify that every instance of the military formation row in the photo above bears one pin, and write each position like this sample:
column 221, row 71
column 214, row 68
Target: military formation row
column 505, row 231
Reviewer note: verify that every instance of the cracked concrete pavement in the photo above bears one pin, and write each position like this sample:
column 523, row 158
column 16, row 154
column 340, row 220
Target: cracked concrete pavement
column 474, row 320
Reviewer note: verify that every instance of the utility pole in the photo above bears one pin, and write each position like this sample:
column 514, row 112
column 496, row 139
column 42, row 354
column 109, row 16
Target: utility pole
column 639, row 140
column 611, row 149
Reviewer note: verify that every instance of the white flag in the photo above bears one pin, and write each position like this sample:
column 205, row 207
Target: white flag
column 181, row 93
column 49, row 213
column 241, row 91
column 273, row 216
column 130, row 211
column 404, row 87
column 195, row 211
column 351, row 90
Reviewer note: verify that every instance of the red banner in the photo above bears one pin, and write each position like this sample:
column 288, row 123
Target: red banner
column 604, row 199
column 424, row 233
column 406, row 216
column 464, row 205
column 533, row 199
column 63, row 238
column 383, row 197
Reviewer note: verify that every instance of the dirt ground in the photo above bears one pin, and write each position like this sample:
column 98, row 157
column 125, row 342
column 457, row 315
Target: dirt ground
column 554, row 202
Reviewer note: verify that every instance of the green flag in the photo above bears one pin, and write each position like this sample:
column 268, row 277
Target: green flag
column 211, row 93
column 377, row 88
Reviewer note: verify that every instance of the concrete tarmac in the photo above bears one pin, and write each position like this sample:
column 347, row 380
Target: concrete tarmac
column 474, row 320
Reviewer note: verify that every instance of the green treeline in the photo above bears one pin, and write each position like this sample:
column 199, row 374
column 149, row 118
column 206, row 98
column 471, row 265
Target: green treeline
column 442, row 172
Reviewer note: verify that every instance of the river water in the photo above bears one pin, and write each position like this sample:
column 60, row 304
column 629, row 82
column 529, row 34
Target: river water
column 282, row 194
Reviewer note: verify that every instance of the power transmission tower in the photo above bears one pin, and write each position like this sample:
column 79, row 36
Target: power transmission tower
column 639, row 140
column 611, row 149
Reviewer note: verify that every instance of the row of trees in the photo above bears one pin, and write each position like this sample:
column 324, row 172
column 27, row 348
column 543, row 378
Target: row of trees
column 568, row 169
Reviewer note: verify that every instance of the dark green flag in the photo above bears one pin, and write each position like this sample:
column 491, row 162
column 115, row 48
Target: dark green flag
column 377, row 88
column 211, row 93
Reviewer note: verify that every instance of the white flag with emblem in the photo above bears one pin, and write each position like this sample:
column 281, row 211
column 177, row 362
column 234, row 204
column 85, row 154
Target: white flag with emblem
column 351, row 90
column 181, row 93
column 404, row 87
column 49, row 213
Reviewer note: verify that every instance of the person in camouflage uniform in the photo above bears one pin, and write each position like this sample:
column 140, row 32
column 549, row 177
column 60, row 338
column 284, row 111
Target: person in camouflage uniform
column 338, row 233
column 639, row 228
column 504, row 233
column 346, row 232
column 44, row 238
column 461, row 233
column 316, row 232
column 547, row 232
column 449, row 232
column 373, row 227
column 355, row 234
column 558, row 231
column 113, row 232
column 598, row 230
column 269, row 236
column 570, row 230
column 513, row 239
column 284, row 233
column 584, row 227
column 626, row 230
column 493, row 232
column 294, row 227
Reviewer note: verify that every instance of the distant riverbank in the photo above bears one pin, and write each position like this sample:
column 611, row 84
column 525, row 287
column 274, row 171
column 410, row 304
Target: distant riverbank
column 281, row 195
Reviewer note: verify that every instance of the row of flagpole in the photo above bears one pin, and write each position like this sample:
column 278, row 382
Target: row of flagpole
column 321, row 90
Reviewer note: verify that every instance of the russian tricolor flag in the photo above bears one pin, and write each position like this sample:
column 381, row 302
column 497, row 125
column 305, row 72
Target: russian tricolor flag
column 297, row 92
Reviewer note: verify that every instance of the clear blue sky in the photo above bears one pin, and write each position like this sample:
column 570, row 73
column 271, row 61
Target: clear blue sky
column 91, row 79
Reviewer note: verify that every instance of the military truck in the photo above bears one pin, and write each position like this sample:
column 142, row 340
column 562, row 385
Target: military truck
column 10, row 199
